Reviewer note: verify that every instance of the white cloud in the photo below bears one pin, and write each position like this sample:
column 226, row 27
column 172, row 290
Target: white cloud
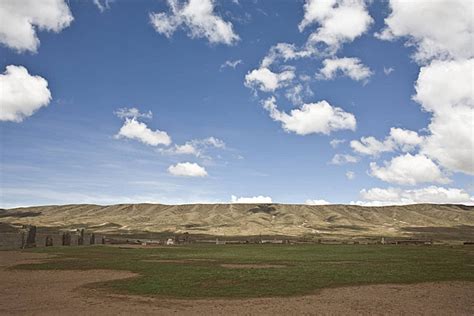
column 251, row 200
column 340, row 159
column 285, row 52
column 196, row 147
column 187, row 169
column 310, row 118
column 446, row 90
column 388, row 71
column 134, row 129
column 408, row 170
column 370, row 146
column 231, row 64
column 212, row 141
column 265, row 80
column 21, row 93
column 438, row 28
column 350, row 175
column 397, row 196
column 21, row 20
column 132, row 113
column 402, row 139
column 339, row 21
column 336, row 142
column 348, row 67
column 198, row 18
column 298, row 92
column 317, row 202
column 405, row 140
column 444, row 86
column 103, row 5
column 185, row 149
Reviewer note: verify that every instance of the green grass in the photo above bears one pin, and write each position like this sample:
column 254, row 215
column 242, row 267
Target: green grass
column 308, row 267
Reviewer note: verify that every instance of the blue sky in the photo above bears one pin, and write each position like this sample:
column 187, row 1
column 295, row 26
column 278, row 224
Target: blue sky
column 194, row 93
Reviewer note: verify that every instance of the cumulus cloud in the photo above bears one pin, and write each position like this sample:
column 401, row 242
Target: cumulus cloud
column 196, row 147
column 311, row 118
column 22, row 19
column 405, row 140
column 401, row 139
column 317, row 202
column 251, row 200
column 21, row 94
column 265, row 80
column 187, row 169
column 231, row 64
column 348, row 67
column 419, row 23
column 444, row 85
column 408, row 170
column 397, row 196
column 370, row 146
column 133, row 129
column 339, row 21
column 198, row 18
column 445, row 88
column 340, row 159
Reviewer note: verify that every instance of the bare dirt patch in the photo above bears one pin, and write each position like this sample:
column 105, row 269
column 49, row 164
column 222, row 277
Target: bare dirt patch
column 178, row 260
column 251, row 266
column 9, row 258
column 62, row 292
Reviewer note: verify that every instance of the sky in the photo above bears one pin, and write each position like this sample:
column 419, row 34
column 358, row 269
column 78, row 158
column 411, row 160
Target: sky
column 219, row 101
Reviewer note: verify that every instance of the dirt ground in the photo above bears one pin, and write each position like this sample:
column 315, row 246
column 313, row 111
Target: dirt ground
column 60, row 292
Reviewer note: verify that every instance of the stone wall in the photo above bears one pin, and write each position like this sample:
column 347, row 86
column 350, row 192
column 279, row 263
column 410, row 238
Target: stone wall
column 15, row 240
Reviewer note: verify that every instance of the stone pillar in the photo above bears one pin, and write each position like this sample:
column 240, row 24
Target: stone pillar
column 31, row 237
column 23, row 240
column 80, row 240
column 49, row 241
column 66, row 239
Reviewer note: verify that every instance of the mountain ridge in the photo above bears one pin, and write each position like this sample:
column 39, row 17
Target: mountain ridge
column 335, row 220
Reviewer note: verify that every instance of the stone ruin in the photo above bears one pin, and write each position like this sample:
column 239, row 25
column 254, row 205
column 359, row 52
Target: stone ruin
column 66, row 239
column 49, row 241
column 30, row 232
column 80, row 240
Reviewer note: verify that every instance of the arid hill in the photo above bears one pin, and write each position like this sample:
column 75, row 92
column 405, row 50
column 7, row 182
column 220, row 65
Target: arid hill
column 428, row 220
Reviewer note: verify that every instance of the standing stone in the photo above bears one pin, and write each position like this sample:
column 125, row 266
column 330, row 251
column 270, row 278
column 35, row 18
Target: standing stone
column 31, row 237
column 23, row 238
column 92, row 240
column 49, row 241
column 103, row 240
column 66, row 239
column 80, row 240
column 186, row 237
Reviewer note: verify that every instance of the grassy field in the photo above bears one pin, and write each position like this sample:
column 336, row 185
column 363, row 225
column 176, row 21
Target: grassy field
column 196, row 271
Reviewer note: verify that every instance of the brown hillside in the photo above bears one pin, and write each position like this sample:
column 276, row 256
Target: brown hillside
column 456, row 221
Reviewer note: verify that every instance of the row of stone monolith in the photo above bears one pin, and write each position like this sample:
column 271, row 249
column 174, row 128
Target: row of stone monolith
column 29, row 233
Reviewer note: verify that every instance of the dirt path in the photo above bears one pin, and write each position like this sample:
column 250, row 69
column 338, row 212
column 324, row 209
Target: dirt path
column 59, row 292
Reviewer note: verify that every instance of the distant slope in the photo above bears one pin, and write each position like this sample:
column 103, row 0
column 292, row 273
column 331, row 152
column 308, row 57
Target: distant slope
column 252, row 219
